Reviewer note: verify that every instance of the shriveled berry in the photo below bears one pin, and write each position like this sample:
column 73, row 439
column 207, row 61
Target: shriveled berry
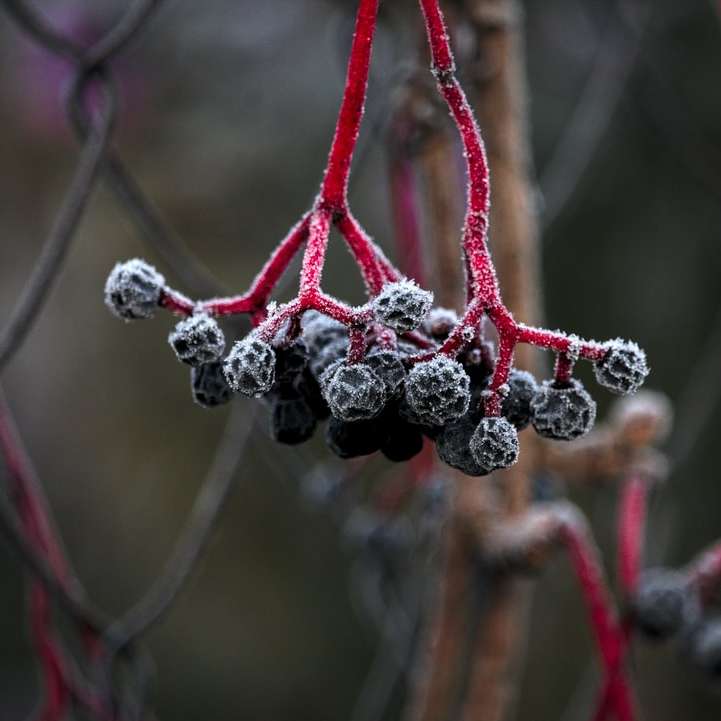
column 438, row 390
column 387, row 365
column 663, row 603
column 494, row 444
column 402, row 305
column 516, row 406
column 562, row 412
column 706, row 647
column 440, row 322
column 350, row 440
column 209, row 386
column 453, row 446
column 197, row 340
column 133, row 289
column 250, row 367
column 353, row 392
column 623, row 369
column 402, row 440
column 292, row 420
column 290, row 362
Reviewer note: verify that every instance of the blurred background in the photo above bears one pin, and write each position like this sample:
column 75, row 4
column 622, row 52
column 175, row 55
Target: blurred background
column 227, row 109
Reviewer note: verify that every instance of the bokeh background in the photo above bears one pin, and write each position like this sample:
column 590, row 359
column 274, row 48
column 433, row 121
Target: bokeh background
column 227, row 111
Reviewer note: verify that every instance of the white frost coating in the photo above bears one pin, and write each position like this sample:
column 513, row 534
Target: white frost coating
column 562, row 413
column 494, row 444
column 438, row 390
column 624, row 367
column 522, row 386
column 574, row 347
column 250, row 367
column 453, row 446
column 387, row 365
column 197, row 340
column 133, row 289
column 402, row 305
column 353, row 392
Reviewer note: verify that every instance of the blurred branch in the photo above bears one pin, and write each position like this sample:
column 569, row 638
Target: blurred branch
column 615, row 59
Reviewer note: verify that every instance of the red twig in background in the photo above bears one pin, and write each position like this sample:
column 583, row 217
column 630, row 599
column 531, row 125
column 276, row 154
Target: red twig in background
column 617, row 695
column 27, row 498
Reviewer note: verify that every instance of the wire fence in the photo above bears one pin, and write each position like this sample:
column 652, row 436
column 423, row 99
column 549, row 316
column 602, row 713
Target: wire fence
column 109, row 679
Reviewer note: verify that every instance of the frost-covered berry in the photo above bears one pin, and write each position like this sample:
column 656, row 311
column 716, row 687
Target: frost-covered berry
column 133, row 289
column 562, row 412
column 440, row 322
column 350, row 440
column 438, row 390
column 387, row 365
column 494, row 444
column 326, row 340
column 209, row 386
column 663, row 603
column 402, row 440
column 353, row 392
column 516, row 406
column 250, row 367
column 292, row 420
column 623, row 369
column 706, row 647
column 402, row 305
column 290, row 362
column 197, row 340
column 454, row 447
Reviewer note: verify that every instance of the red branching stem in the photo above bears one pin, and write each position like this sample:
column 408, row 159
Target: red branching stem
column 705, row 572
column 356, row 344
column 483, row 282
column 563, row 370
column 631, row 530
column 607, row 630
column 335, row 183
column 405, row 217
column 34, row 518
column 363, row 251
column 314, row 258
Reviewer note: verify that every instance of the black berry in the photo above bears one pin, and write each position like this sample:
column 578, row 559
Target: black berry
column 623, row 369
column 494, row 444
column 438, row 390
column 516, row 406
column 208, row 385
column 250, row 367
column 350, row 440
column 133, row 289
column 197, row 340
column 402, row 305
column 562, row 412
column 454, row 447
column 353, row 392
column 292, row 420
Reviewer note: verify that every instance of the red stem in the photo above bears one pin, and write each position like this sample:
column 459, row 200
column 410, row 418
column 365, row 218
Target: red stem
column 631, row 530
column 335, row 183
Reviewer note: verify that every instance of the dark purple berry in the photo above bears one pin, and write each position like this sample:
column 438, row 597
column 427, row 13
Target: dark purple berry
column 133, row 289
column 197, row 340
column 290, row 362
column 209, row 386
column 250, row 367
column 350, row 440
column 522, row 387
column 439, row 323
column 387, row 365
column 663, row 603
column 353, row 392
column 402, row 305
column 454, row 447
column 623, row 369
column 292, row 420
column 562, row 412
column 402, row 440
column 494, row 444
column 438, row 390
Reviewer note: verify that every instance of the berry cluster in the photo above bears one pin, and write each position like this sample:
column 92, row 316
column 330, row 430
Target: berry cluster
column 395, row 369
column 378, row 391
